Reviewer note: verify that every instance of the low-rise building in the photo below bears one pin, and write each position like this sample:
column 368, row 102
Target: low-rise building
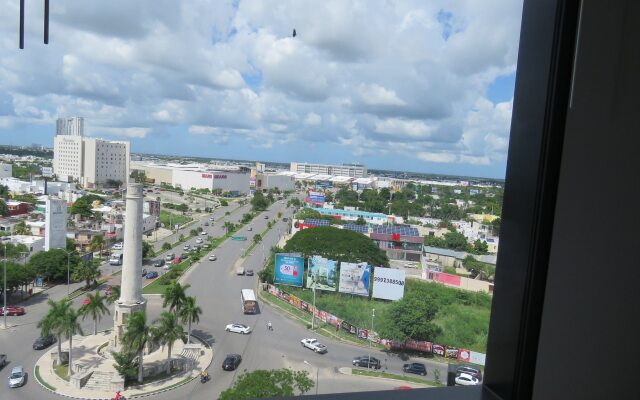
column 34, row 244
column 399, row 242
column 18, row 208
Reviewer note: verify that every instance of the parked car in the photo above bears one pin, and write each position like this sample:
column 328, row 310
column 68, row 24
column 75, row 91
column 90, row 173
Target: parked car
column 240, row 271
column 211, row 219
column 199, row 240
column 249, row 272
column 151, row 275
column 314, row 345
column 3, row 360
column 206, row 224
column 366, row 362
column 12, row 310
column 117, row 246
column 16, row 379
column 468, row 369
column 184, row 256
column 415, row 368
column 169, row 257
column 204, row 233
column 231, row 362
column 466, row 380
column 250, row 228
column 158, row 263
column 186, row 247
column 212, row 257
column 43, row 342
column 266, row 217
column 238, row 328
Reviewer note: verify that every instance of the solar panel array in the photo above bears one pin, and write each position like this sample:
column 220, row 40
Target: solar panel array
column 402, row 230
column 317, row 222
column 357, row 228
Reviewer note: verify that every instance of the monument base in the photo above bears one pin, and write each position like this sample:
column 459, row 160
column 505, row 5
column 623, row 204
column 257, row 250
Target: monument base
column 120, row 318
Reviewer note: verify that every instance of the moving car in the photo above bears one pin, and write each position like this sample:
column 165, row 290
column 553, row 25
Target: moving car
column 250, row 229
column 212, row 257
column 415, row 368
column 204, row 233
column 249, row 272
column 231, row 362
column 12, row 310
column 314, row 345
column 115, row 259
column 266, row 217
column 240, row 271
column 151, row 275
column 158, row 263
column 466, row 380
column 241, row 238
column 211, row 219
column 206, row 224
column 199, row 240
column 16, row 379
column 366, row 362
column 43, row 342
column 468, row 369
column 238, row 328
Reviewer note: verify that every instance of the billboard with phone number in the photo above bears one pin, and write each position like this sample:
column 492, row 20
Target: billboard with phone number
column 289, row 270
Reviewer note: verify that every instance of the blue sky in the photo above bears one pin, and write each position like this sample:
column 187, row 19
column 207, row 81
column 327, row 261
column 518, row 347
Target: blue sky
column 404, row 85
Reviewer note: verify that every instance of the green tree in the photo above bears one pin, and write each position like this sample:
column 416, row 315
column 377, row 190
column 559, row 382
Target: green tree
column 52, row 264
column 125, row 364
column 480, row 247
column 260, row 383
column 223, row 203
column 84, row 205
column 4, row 191
column 87, row 272
column 166, row 331
column 228, row 226
column 308, row 213
column 147, row 250
column 21, row 228
column 70, row 326
column 166, row 246
column 175, row 296
column 97, row 243
column 52, row 323
column 115, row 294
column 434, row 241
column 190, row 313
column 456, row 241
column 410, row 318
column 4, row 210
column 136, row 335
column 495, row 224
column 259, row 202
column 95, row 308
column 70, row 244
column 336, row 244
column 361, row 221
column 257, row 238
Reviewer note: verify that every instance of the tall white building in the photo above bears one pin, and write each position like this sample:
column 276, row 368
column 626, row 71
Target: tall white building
column 352, row 170
column 55, row 231
column 92, row 162
column 71, row 126
column 6, row 170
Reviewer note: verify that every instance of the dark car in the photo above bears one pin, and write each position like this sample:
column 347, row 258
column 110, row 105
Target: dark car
column 151, row 275
column 44, row 342
column 366, row 362
column 468, row 369
column 144, row 271
column 206, row 224
column 158, row 263
column 415, row 368
column 249, row 272
column 266, row 217
column 184, row 256
column 231, row 362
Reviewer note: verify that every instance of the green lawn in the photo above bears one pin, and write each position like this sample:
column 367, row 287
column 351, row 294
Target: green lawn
column 61, row 371
column 168, row 218
column 364, row 372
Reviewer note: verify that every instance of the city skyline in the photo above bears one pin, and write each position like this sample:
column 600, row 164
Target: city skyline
column 424, row 88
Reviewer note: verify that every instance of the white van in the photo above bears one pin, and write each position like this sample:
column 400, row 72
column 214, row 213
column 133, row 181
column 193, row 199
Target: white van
column 116, row 259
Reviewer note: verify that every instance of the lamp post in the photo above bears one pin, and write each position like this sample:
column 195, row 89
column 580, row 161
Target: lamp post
column 373, row 314
column 4, row 292
column 317, row 370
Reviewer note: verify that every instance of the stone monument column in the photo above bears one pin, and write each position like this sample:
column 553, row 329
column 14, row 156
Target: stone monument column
column 131, row 299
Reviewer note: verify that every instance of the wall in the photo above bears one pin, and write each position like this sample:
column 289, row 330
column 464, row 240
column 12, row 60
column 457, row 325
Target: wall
column 6, row 170
column 55, row 224
column 588, row 338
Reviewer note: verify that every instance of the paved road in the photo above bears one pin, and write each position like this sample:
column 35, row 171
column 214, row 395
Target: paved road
column 218, row 289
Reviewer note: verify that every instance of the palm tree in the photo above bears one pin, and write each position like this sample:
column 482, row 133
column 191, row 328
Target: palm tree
column 167, row 331
column 228, row 226
column 190, row 312
column 51, row 323
column 86, row 271
column 95, row 308
column 21, row 228
column 136, row 336
column 175, row 296
column 71, row 326
column 97, row 243
column 114, row 296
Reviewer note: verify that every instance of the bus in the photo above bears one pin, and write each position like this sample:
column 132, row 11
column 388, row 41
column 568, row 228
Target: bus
column 249, row 302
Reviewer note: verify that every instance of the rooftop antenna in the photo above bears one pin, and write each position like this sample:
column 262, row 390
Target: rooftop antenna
column 46, row 23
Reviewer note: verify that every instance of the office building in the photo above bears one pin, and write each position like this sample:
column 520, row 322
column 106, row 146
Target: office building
column 350, row 170
column 71, row 126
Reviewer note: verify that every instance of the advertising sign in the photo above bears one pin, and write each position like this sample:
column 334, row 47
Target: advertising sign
column 388, row 283
column 354, row 278
column 289, row 270
column 47, row 172
column 322, row 273
column 316, row 197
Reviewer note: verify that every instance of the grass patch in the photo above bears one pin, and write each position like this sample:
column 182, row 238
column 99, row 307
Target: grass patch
column 83, row 290
column 42, row 382
column 168, row 218
column 61, row 370
column 364, row 372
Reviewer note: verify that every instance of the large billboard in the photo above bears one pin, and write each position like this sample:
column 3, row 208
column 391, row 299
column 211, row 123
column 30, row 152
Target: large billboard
column 322, row 273
column 388, row 283
column 316, row 197
column 289, row 270
column 355, row 278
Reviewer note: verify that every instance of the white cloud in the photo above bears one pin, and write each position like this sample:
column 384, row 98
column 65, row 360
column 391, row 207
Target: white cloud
column 135, row 132
column 438, row 157
column 312, row 119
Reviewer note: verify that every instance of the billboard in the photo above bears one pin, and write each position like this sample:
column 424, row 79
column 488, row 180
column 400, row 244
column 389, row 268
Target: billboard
column 388, row 283
column 289, row 270
column 316, row 197
column 322, row 273
column 355, row 278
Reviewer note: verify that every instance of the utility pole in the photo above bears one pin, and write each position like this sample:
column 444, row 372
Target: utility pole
column 313, row 313
column 373, row 314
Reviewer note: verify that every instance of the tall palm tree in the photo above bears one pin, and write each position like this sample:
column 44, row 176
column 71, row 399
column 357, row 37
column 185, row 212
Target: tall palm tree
column 95, row 307
column 190, row 312
column 166, row 332
column 175, row 296
column 115, row 294
column 52, row 322
column 71, row 326
column 137, row 334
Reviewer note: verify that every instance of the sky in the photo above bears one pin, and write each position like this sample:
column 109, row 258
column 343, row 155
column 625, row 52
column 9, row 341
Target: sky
column 421, row 86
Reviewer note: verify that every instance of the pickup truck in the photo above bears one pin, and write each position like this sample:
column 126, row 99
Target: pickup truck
column 3, row 360
column 314, row 345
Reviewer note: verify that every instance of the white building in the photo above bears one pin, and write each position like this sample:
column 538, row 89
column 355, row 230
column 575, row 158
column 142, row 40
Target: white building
column 34, row 244
column 350, row 170
column 228, row 181
column 71, row 126
column 55, row 231
column 6, row 170
column 92, row 162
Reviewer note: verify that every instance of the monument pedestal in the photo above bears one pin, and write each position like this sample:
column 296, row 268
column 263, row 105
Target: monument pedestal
column 120, row 318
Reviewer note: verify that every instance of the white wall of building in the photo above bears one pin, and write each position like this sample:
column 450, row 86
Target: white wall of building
column 225, row 180
column 281, row 182
column 56, row 224
column 354, row 171
column 72, row 126
column 105, row 160
column 68, row 157
column 6, row 170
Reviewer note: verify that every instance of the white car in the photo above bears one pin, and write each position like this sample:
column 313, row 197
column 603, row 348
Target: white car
column 213, row 257
column 314, row 345
column 466, row 380
column 204, row 233
column 198, row 240
column 117, row 246
column 250, row 229
column 238, row 328
column 186, row 247
column 16, row 379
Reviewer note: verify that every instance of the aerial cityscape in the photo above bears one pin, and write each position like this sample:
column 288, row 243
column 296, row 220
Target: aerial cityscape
column 339, row 171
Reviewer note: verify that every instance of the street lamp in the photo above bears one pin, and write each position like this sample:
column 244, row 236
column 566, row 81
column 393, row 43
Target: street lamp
column 4, row 292
column 373, row 314
column 317, row 370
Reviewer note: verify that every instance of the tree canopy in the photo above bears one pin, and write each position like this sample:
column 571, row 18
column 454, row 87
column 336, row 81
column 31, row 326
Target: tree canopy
column 4, row 210
column 83, row 205
column 268, row 383
column 336, row 244
column 52, row 264
column 259, row 202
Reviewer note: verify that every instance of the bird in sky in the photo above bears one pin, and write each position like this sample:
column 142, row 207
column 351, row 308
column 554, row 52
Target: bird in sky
column 294, row 32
